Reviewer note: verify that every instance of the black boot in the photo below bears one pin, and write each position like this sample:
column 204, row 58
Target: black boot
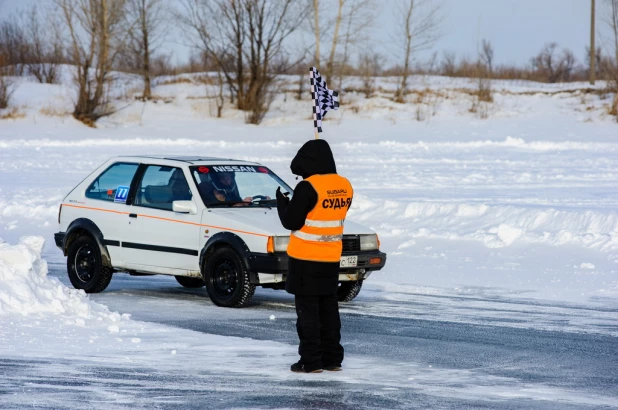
column 301, row 368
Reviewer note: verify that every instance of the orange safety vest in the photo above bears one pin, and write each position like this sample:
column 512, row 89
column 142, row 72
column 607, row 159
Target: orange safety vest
column 320, row 238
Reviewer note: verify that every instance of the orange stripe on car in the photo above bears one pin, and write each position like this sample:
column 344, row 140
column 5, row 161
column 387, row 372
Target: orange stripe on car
column 96, row 209
column 167, row 219
column 236, row 230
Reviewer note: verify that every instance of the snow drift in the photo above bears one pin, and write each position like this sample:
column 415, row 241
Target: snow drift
column 26, row 290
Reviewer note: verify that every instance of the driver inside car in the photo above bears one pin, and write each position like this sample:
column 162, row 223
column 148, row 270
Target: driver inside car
column 223, row 188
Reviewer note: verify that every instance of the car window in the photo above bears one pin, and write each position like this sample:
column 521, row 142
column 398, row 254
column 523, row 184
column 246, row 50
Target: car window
column 113, row 184
column 160, row 186
column 234, row 185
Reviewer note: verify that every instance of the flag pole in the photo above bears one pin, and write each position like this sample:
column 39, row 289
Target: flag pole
column 313, row 95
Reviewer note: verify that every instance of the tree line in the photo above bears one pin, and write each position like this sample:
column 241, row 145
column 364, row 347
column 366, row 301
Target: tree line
column 247, row 43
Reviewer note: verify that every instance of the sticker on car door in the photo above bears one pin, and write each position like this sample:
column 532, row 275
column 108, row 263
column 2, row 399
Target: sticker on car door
column 121, row 194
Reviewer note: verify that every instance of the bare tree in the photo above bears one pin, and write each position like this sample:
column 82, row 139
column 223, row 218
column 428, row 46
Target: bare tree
column 341, row 26
column 449, row 63
column 333, row 48
column 552, row 66
column 245, row 37
column 486, row 56
column 44, row 52
column 369, row 69
column 419, row 22
column 316, row 15
column 161, row 64
column 567, row 65
column 13, row 47
column 358, row 17
column 94, row 29
column 545, row 62
column 217, row 28
column 269, row 23
column 611, row 67
column 147, row 22
column 6, row 87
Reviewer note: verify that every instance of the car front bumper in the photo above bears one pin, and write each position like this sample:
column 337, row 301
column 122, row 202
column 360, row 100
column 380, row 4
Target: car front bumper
column 278, row 262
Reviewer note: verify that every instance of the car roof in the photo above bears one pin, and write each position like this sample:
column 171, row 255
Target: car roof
column 188, row 159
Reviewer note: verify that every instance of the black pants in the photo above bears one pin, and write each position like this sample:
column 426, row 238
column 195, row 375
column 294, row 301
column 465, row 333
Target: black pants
column 319, row 331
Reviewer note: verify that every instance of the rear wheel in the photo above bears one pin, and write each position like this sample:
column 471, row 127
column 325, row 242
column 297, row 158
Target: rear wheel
column 84, row 266
column 227, row 278
column 349, row 290
column 188, row 282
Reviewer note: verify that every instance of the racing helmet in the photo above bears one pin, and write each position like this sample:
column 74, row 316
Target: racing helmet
column 219, row 186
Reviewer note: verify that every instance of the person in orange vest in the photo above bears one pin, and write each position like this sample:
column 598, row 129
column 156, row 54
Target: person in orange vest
column 315, row 215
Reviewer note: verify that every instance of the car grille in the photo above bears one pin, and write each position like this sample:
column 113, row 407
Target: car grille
column 351, row 244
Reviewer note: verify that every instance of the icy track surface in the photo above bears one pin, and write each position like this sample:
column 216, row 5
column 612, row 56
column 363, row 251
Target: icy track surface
column 411, row 350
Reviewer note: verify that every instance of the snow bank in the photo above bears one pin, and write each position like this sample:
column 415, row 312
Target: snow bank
column 388, row 146
column 495, row 226
column 26, row 290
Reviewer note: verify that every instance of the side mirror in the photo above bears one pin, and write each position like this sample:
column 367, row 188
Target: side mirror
column 185, row 207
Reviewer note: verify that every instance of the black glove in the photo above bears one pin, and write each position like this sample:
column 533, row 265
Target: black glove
column 281, row 198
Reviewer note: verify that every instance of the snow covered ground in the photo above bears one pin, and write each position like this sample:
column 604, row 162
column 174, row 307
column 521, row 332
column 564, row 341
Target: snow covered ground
column 522, row 205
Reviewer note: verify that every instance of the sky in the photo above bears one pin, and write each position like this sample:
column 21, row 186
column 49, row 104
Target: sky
column 518, row 29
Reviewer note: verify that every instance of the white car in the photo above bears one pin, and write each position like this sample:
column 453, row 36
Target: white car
column 165, row 215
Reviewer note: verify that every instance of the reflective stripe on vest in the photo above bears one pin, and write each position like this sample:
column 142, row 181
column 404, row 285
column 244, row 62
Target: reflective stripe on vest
column 324, row 224
column 320, row 238
column 317, row 238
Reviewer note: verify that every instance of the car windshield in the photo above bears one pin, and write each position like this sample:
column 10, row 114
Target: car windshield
column 237, row 185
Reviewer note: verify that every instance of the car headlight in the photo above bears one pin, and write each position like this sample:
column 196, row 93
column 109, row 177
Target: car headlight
column 369, row 242
column 277, row 244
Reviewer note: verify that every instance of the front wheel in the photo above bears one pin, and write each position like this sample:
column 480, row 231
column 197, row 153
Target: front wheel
column 227, row 278
column 349, row 290
column 84, row 266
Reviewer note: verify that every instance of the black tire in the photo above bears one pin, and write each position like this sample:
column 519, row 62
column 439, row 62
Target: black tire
column 227, row 278
column 349, row 290
column 84, row 266
column 188, row 282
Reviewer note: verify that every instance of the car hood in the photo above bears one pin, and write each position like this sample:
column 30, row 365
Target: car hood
column 263, row 221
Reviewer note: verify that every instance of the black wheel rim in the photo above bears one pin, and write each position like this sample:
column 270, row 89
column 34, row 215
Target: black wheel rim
column 225, row 278
column 85, row 263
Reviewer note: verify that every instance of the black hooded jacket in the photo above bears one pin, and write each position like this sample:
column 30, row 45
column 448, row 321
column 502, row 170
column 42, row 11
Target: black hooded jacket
column 315, row 157
column 308, row 277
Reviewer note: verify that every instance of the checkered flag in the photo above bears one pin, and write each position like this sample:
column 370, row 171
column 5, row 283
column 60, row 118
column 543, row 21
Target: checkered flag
column 324, row 99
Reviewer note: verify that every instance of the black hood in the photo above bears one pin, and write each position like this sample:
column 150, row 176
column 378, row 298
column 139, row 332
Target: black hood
column 315, row 157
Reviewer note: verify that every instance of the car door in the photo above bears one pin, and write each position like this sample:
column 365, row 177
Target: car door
column 105, row 205
column 158, row 239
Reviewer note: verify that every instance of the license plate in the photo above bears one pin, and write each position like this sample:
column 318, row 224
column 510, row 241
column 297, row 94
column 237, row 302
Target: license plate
column 348, row 261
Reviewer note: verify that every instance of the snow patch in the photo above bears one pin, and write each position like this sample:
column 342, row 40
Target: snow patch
column 509, row 234
column 26, row 290
column 496, row 226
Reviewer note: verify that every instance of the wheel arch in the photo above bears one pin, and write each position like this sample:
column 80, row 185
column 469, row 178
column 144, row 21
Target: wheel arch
column 235, row 242
column 85, row 226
